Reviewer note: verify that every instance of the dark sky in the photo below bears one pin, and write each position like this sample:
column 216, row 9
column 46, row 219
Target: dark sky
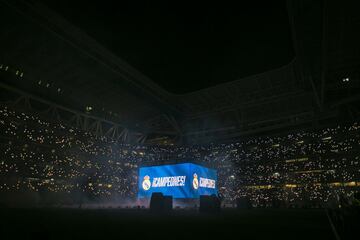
column 187, row 47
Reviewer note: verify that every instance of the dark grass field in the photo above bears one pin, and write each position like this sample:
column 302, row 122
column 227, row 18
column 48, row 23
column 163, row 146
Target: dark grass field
column 278, row 224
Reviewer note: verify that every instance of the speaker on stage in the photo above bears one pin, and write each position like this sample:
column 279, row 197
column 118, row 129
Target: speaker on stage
column 168, row 203
column 161, row 203
column 157, row 202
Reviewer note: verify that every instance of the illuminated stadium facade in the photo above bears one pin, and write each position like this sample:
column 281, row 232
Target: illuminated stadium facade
column 290, row 134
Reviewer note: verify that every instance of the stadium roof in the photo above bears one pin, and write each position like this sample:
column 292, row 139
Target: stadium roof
column 187, row 47
column 75, row 65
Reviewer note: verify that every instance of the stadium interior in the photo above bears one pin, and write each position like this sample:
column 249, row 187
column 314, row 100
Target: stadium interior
column 266, row 93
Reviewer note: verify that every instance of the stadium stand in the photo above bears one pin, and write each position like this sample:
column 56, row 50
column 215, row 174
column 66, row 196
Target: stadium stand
column 302, row 169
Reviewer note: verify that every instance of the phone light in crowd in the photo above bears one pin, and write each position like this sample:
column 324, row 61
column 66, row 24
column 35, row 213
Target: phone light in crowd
column 88, row 108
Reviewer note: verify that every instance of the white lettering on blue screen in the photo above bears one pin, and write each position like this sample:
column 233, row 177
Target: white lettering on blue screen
column 174, row 181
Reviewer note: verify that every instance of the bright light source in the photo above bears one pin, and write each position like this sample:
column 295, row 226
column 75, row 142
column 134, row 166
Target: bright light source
column 326, row 138
column 346, row 79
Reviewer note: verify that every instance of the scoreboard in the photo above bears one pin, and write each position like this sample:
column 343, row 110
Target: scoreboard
column 185, row 180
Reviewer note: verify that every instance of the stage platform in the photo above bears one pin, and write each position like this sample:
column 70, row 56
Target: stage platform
column 304, row 224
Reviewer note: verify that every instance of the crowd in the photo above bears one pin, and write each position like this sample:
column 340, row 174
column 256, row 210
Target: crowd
column 302, row 168
column 45, row 156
